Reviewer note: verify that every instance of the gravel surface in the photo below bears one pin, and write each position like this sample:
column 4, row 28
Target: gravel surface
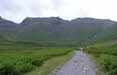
column 80, row 64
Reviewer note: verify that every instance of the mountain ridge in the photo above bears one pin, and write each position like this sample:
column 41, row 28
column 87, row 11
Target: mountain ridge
column 59, row 31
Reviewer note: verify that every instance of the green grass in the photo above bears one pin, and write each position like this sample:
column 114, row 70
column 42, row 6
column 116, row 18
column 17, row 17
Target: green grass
column 106, row 57
column 51, row 64
column 104, row 49
column 19, row 62
column 19, row 43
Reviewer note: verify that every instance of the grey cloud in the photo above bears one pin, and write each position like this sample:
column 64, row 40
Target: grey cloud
column 17, row 10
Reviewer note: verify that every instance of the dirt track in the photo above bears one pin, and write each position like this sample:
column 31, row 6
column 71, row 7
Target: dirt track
column 80, row 64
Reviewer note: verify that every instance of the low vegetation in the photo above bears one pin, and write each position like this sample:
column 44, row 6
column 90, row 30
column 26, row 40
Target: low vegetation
column 51, row 64
column 106, row 55
column 18, row 62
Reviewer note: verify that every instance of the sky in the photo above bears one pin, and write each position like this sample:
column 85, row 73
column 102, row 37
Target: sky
column 17, row 10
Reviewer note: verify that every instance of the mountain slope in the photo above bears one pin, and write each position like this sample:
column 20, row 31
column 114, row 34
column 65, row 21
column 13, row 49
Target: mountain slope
column 56, row 31
column 8, row 29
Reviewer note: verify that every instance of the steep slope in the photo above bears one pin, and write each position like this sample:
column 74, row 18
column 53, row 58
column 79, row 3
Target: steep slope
column 8, row 29
column 55, row 30
column 41, row 29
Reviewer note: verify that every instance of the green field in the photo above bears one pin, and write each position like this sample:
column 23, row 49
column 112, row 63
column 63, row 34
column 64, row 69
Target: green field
column 15, row 62
column 106, row 56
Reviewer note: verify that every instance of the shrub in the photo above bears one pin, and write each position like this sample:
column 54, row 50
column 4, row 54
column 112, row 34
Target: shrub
column 7, row 68
column 23, row 67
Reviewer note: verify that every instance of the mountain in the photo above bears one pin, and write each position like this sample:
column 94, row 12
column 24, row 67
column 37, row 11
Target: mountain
column 56, row 31
column 7, row 29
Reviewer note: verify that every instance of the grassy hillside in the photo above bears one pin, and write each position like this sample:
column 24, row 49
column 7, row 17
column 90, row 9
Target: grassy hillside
column 68, row 32
column 55, row 31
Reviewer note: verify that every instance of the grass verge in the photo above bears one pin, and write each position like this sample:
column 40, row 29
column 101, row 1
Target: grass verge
column 106, row 58
column 51, row 64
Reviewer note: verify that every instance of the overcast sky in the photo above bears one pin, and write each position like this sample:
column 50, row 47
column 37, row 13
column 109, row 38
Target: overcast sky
column 17, row 10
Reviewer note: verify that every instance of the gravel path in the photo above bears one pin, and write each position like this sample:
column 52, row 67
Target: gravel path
column 80, row 64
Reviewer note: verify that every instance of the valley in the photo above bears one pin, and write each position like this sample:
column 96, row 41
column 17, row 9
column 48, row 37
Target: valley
column 37, row 46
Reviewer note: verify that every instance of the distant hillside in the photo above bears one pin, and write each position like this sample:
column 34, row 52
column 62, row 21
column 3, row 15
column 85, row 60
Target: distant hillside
column 8, row 29
column 55, row 30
